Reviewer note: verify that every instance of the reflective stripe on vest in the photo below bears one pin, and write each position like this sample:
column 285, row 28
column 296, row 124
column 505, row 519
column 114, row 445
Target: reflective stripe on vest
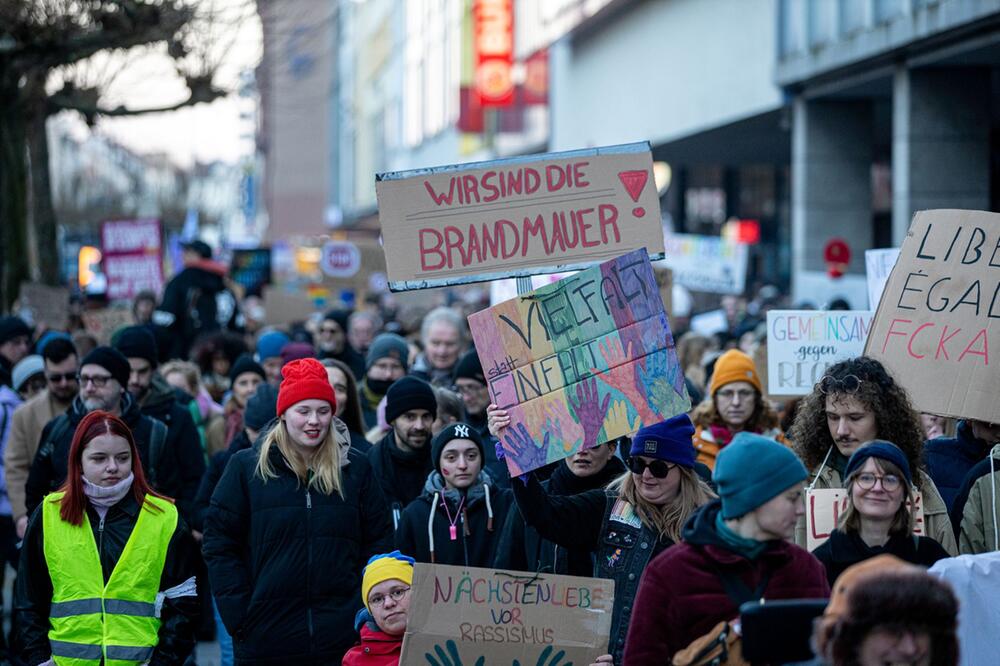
column 91, row 621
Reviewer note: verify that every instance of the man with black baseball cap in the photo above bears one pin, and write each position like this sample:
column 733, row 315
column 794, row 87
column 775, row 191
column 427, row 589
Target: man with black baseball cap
column 401, row 461
column 195, row 301
column 104, row 376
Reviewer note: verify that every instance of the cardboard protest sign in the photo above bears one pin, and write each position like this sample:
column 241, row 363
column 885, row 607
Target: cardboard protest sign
column 515, row 217
column 825, row 506
column 283, row 307
column 352, row 264
column 878, row 266
column 48, row 305
column 467, row 615
column 802, row 344
column 103, row 323
column 580, row 362
column 706, row 263
column 132, row 252
column 937, row 321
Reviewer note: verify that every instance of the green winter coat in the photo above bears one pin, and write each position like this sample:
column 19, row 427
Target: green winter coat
column 982, row 511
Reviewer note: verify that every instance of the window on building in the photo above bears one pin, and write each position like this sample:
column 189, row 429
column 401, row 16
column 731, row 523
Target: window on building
column 852, row 16
column 432, row 71
column 792, row 19
column 887, row 10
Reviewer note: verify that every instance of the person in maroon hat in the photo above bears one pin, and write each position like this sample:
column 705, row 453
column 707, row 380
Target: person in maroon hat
column 289, row 529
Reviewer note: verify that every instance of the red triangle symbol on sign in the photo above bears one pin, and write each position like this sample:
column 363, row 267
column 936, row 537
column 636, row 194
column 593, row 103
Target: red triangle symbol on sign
column 633, row 181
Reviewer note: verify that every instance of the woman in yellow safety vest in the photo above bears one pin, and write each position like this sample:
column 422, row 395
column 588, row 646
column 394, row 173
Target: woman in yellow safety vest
column 107, row 566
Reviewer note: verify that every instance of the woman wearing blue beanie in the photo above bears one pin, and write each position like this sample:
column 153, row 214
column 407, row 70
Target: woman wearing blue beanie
column 734, row 550
column 878, row 518
column 638, row 516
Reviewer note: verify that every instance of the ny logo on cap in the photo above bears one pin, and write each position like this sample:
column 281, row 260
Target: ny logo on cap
column 650, row 446
column 462, row 431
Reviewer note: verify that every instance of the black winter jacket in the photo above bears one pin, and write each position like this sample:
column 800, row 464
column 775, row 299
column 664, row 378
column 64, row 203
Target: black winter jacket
column 161, row 403
column 522, row 548
column 195, row 302
column 950, row 459
column 49, row 467
column 843, row 549
column 216, row 466
column 285, row 561
column 477, row 525
column 33, row 594
column 401, row 474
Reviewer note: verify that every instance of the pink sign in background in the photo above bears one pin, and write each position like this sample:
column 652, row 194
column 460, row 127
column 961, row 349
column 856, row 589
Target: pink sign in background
column 132, row 256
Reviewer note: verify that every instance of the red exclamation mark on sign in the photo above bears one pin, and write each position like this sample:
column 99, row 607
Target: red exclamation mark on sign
column 634, row 181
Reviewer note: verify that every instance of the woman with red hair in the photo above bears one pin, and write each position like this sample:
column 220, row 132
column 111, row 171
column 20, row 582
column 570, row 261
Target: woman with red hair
column 107, row 565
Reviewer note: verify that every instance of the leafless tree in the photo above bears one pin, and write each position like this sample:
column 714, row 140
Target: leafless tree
column 60, row 55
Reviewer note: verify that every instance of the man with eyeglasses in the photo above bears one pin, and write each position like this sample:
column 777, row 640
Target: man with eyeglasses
column 332, row 342
column 61, row 368
column 385, row 591
column 857, row 401
column 735, row 404
column 104, row 376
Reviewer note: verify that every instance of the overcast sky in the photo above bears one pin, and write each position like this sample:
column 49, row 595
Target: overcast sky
column 205, row 132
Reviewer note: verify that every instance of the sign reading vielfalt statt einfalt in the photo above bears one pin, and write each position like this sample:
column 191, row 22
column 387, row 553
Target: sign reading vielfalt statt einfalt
column 517, row 217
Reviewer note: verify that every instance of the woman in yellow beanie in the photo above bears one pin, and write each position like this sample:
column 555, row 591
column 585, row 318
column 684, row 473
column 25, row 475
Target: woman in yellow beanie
column 735, row 403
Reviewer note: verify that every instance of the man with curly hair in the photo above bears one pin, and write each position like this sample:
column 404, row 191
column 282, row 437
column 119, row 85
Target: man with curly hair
column 855, row 402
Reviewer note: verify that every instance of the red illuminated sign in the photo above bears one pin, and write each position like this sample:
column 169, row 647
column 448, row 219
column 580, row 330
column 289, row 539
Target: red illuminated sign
column 493, row 43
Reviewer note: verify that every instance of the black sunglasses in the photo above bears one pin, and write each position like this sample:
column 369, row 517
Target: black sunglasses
column 56, row 377
column 657, row 468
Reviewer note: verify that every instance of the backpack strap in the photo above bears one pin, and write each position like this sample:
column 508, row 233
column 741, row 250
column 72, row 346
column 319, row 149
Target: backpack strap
column 156, row 440
column 59, row 429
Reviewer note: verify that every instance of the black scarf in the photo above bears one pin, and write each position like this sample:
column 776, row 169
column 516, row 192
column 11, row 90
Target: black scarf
column 403, row 472
column 564, row 482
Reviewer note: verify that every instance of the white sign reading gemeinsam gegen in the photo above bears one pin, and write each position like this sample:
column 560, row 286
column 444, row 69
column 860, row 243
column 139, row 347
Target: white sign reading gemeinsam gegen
column 802, row 344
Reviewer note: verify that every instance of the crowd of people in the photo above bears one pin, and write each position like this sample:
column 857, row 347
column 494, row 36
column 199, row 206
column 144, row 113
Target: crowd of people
column 274, row 486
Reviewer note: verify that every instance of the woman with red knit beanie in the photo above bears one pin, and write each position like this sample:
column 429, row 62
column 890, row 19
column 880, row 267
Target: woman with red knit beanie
column 289, row 530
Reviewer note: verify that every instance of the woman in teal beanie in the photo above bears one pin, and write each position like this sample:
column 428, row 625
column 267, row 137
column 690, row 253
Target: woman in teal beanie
column 735, row 550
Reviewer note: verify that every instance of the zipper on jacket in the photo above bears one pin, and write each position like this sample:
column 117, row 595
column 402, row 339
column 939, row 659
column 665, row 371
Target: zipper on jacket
column 309, row 613
column 100, row 558
column 100, row 541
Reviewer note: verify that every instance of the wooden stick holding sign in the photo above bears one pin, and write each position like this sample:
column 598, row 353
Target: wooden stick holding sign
column 467, row 615
column 580, row 362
